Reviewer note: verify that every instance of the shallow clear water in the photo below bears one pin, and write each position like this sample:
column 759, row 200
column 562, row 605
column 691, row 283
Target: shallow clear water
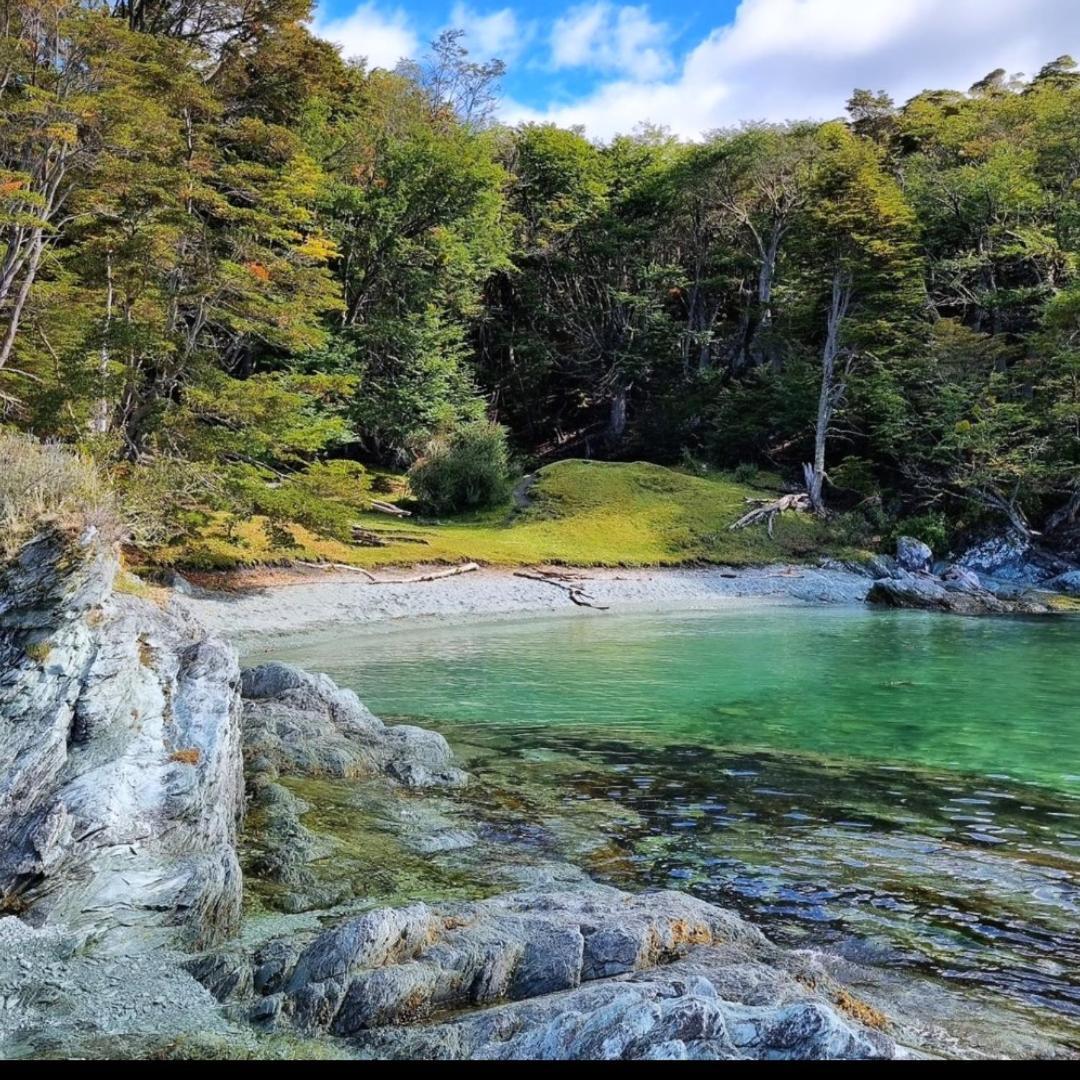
column 900, row 787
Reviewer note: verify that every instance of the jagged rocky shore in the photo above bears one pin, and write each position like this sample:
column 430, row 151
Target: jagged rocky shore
column 162, row 894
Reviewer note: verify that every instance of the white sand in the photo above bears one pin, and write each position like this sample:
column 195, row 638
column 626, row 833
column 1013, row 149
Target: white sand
column 321, row 600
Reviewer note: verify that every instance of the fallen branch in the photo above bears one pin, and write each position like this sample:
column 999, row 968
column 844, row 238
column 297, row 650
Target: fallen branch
column 767, row 511
column 390, row 508
column 372, row 538
column 561, row 575
column 577, row 596
column 367, row 538
column 464, row 568
column 337, row 566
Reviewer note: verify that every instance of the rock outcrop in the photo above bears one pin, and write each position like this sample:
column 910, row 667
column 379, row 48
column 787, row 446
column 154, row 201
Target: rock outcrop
column 301, row 723
column 589, row 973
column 1067, row 583
column 122, row 783
column 929, row 593
column 1010, row 558
column 906, row 582
column 127, row 736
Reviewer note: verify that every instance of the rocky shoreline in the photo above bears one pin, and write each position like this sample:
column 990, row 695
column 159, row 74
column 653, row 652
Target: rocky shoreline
column 166, row 889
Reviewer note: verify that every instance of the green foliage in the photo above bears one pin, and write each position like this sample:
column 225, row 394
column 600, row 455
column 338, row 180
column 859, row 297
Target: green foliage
column 467, row 470
column 230, row 255
column 325, row 497
column 931, row 529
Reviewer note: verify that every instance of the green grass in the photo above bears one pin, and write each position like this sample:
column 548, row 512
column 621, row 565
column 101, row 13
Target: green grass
column 583, row 513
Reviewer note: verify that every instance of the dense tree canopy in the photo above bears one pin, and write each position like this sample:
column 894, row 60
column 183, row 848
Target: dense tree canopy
column 222, row 243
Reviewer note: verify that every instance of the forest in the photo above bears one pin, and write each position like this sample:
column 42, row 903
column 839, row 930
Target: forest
column 241, row 272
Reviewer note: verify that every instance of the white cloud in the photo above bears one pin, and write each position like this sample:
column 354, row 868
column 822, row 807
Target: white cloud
column 382, row 38
column 605, row 37
column 786, row 59
column 496, row 34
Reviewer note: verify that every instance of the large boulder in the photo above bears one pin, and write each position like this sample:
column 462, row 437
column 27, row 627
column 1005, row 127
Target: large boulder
column 122, row 784
column 913, row 555
column 304, row 724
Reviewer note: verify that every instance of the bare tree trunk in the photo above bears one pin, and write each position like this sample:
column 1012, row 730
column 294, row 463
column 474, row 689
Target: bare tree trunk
column 100, row 422
column 766, row 276
column 617, row 416
column 20, row 299
column 831, row 388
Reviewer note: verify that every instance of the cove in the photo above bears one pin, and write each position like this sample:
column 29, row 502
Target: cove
column 899, row 787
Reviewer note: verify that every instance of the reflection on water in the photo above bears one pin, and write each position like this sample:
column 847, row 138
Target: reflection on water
column 896, row 787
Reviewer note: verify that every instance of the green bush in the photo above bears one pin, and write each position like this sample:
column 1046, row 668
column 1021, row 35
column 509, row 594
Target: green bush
column 746, row 473
column 469, row 470
column 931, row 529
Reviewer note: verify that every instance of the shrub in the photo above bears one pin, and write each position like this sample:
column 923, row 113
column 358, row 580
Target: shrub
column 46, row 483
column 38, row 651
column 932, row 529
column 746, row 473
column 383, row 484
column 469, row 470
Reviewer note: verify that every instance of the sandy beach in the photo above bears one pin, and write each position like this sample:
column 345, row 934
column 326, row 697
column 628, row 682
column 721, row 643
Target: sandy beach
column 268, row 604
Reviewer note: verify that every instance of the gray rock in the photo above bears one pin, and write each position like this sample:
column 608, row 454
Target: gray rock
column 913, row 555
column 227, row 975
column 962, row 577
column 120, row 733
column 927, row 593
column 592, row 974
column 1067, row 583
column 1009, row 558
column 56, row 993
column 396, row 966
column 302, row 723
column 273, row 963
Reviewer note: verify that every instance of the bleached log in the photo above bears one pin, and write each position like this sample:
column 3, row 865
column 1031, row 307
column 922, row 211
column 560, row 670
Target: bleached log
column 577, row 596
column 390, row 508
column 767, row 511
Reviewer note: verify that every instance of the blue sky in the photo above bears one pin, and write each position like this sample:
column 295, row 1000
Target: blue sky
column 697, row 66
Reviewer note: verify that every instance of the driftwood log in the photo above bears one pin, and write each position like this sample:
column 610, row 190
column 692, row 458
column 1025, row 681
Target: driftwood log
column 338, row 566
column 389, row 508
column 576, row 594
column 767, row 511
column 450, row 571
column 372, row 538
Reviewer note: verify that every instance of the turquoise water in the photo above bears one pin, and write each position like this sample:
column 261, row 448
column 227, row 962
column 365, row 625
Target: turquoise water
column 897, row 786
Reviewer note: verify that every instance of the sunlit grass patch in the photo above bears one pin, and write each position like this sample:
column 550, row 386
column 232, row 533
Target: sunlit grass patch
column 580, row 513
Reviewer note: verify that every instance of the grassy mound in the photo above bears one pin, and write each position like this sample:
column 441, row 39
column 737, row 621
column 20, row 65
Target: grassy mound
column 581, row 513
